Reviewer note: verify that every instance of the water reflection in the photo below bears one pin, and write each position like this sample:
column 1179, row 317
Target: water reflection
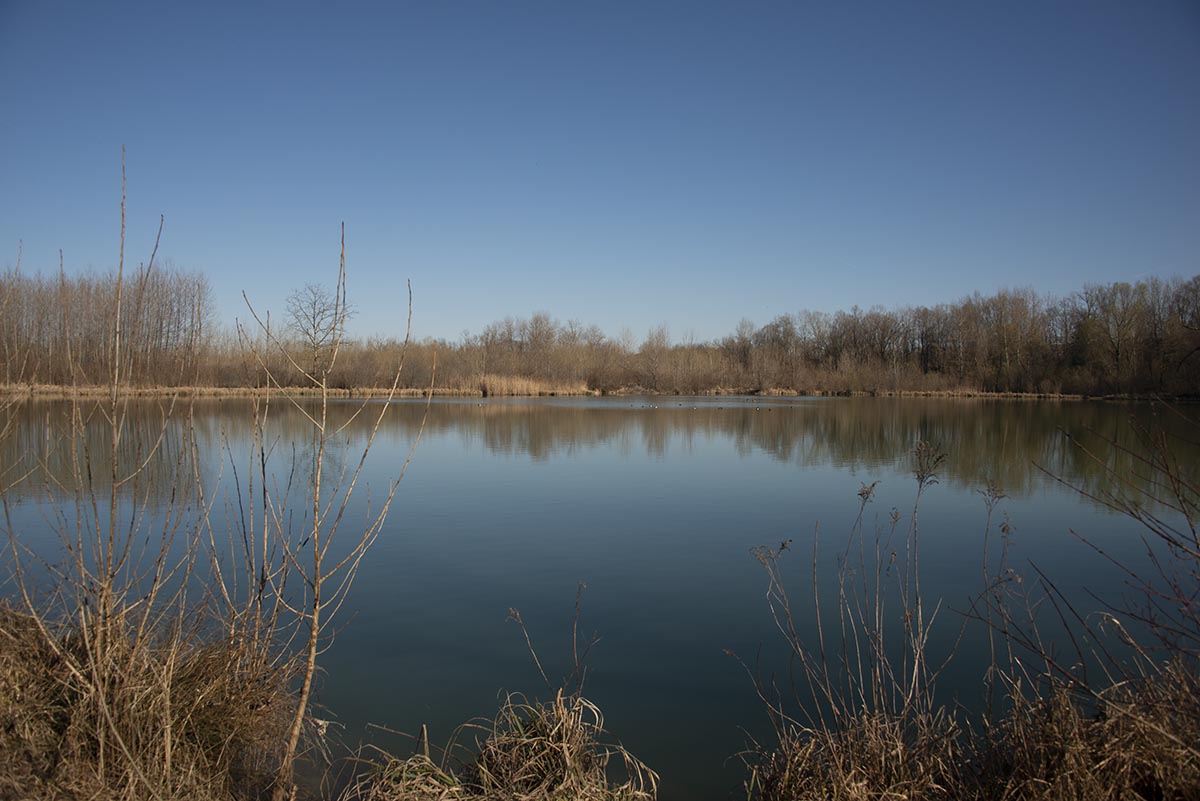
column 655, row 502
column 54, row 446
column 1013, row 443
column 1002, row 441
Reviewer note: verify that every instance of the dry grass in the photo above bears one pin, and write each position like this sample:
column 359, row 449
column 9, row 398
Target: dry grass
column 528, row 752
column 871, row 728
column 417, row 778
column 1133, row 734
column 489, row 385
column 1141, row 744
column 50, row 392
column 182, row 718
column 503, row 385
column 966, row 392
column 32, row 708
column 1140, row 741
column 873, row 756
column 483, row 386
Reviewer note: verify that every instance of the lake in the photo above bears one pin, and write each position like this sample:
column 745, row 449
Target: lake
column 654, row 503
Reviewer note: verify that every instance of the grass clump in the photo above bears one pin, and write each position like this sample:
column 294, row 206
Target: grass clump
column 176, row 718
column 1136, row 740
column 417, row 778
column 875, row 755
column 553, row 750
column 32, row 708
column 530, row 751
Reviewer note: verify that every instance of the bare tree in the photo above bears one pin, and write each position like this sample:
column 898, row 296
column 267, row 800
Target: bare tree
column 325, row 575
column 317, row 316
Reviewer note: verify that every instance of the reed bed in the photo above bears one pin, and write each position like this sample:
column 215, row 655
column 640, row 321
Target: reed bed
column 1138, row 741
column 864, row 721
column 48, row 392
column 873, row 756
column 483, row 386
column 491, row 385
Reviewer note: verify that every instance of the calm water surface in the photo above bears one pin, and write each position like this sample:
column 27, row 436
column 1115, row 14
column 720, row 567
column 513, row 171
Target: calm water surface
column 655, row 504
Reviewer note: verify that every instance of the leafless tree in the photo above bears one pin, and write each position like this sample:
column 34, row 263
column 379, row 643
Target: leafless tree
column 325, row 575
column 317, row 317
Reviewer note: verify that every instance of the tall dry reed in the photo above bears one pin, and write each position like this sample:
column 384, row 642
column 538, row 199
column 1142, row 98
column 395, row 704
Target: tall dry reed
column 1075, row 706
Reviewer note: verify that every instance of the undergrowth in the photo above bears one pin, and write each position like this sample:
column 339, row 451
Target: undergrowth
column 1118, row 718
column 179, row 717
column 532, row 751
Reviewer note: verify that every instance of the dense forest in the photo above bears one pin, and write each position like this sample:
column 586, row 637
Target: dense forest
column 1117, row 338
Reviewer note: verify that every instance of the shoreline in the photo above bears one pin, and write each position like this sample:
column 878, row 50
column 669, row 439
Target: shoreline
column 521, row 388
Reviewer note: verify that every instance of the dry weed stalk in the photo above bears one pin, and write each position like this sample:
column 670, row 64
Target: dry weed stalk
column 325, row 574
column 865, row 722
column 1111, row 711
column 1114, row 715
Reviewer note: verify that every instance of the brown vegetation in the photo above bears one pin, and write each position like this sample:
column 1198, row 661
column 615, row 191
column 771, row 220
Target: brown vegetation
column 528, row 751
column 184, row 715
column 1139, row 740
column 1119, row 338
column 1114, row 338
column 1117, row 717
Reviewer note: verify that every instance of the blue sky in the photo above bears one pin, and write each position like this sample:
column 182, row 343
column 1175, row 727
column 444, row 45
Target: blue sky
column 626, row 164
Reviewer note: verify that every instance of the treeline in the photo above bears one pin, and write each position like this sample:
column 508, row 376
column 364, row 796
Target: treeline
column 62, row 330
column 1107, row 338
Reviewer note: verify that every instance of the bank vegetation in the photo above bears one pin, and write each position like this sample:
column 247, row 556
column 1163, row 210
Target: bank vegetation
column 1120, row 338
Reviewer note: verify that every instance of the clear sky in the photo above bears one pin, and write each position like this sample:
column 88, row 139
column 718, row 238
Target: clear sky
column 623, row 163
